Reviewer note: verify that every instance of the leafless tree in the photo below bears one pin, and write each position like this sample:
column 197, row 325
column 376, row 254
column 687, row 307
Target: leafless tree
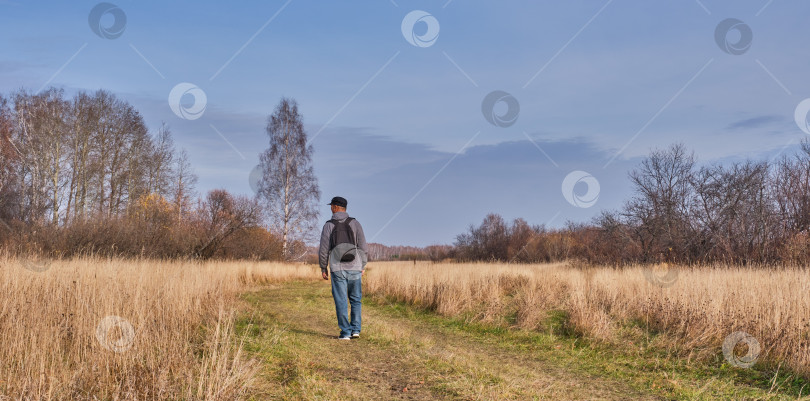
column 791, row 188
column 659, row 209
column 183, row 182
column 489, row 241
column 734, row 212
column 288, row 185
column 224, row 215
column 10, row 190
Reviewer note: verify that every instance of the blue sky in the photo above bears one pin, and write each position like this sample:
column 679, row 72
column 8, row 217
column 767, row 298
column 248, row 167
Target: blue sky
column 399, row 129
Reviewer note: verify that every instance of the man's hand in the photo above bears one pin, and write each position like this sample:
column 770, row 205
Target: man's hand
column 325, row 275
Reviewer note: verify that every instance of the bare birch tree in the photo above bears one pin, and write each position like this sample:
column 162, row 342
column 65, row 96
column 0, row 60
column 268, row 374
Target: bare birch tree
column 183, row 183
column 288, row 185
column 10, row 188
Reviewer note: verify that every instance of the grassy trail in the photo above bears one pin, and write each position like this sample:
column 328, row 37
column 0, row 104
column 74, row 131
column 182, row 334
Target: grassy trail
column 405, row 353
column 398, row 357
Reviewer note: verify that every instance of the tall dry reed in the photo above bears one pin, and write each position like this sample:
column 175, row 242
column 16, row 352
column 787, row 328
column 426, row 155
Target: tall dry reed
column 91, row 329
column 697, row 309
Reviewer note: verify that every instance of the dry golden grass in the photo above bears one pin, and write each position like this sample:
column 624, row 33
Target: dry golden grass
column 695, row 308
column 66, row 331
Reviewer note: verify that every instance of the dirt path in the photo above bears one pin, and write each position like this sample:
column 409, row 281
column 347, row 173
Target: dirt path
column 293, row 329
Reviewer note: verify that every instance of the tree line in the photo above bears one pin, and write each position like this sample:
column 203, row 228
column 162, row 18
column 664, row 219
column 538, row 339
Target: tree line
column 748, row 213
column 84, row 175
column 67, row 159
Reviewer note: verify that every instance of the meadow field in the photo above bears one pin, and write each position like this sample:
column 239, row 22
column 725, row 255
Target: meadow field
column 98, row 329
column 108, row 329
column 696, row 310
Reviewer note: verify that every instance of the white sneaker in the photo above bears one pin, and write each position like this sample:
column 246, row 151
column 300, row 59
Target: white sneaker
column 344, row 338
column 356, row 335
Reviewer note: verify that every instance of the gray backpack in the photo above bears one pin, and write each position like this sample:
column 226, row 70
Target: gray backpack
column 343, row 234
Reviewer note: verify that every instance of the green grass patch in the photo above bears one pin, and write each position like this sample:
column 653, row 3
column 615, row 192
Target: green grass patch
column 643, row 367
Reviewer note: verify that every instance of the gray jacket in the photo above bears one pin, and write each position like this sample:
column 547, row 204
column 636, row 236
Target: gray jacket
column 359, row 236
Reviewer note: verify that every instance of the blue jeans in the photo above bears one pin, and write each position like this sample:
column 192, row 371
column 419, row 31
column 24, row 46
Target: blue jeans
column 347, row 284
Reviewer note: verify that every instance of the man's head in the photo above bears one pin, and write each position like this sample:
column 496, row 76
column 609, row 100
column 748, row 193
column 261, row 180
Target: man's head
column 338, row 204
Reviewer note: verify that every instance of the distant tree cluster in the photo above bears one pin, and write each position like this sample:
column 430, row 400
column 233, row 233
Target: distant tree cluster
column 90, row 155
column 380, row 252
column 750, row 212
column 83, row 175
column 498, row 240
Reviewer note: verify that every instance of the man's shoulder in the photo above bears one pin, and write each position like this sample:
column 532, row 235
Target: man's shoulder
column 331, row 222
column 333, row 219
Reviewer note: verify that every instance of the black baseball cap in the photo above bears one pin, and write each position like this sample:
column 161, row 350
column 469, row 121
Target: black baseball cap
column 338, row 201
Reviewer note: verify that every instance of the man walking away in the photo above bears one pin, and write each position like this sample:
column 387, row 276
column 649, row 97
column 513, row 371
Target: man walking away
column 343, row 248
